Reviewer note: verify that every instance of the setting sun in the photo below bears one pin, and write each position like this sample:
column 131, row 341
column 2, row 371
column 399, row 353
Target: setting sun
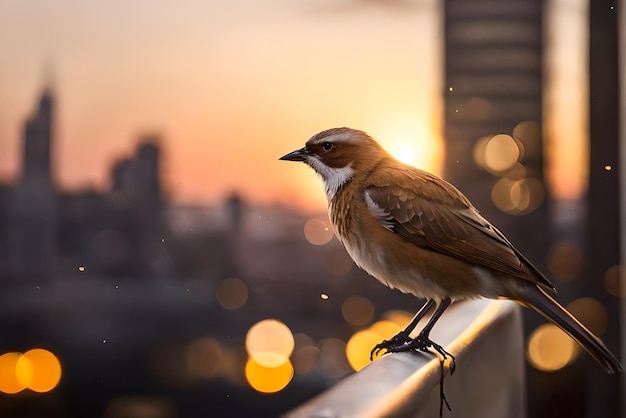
column 414, row 139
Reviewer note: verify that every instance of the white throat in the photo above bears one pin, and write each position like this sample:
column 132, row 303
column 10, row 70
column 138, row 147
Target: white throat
column 334, row 178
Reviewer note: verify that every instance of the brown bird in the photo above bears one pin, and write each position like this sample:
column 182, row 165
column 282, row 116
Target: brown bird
column 417, row 233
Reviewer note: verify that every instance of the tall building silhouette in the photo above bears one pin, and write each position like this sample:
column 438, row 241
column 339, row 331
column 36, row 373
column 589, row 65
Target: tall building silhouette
column 33, row 208
column 493, row 113
column 37, row 143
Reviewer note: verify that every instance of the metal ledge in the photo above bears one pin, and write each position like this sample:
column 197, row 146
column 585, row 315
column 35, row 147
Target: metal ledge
column 485, row 337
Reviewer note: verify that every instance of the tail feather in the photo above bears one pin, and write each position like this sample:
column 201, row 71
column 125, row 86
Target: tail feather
column 539, row 301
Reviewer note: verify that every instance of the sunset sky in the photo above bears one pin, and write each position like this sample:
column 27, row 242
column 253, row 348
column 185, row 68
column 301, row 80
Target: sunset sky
column 229, row 85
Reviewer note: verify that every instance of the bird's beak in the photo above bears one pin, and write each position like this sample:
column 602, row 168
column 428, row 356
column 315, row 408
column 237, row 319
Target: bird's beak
column 297, row 155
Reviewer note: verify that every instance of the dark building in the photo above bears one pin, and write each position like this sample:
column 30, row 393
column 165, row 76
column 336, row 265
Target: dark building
column 493, row 113
column 45, row 233
column 33, row 206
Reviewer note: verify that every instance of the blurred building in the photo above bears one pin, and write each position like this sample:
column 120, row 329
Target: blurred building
column 493, row 113
column 33, row 208
column 45, row 232
column 493, row 128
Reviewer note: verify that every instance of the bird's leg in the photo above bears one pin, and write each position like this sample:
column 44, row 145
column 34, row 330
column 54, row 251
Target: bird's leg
column 423, row 342
column 402, row 338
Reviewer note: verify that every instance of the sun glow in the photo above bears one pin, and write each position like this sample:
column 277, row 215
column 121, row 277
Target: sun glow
column 413, row 141
column 404, row 153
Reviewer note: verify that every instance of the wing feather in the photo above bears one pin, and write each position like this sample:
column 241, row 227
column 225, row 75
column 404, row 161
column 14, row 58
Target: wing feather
column 433, row 214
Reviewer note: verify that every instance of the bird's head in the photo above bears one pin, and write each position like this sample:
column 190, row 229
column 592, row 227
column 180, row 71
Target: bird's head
column 338, row 155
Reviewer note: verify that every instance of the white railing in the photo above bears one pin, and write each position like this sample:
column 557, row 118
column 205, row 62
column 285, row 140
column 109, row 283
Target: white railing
column 487, row 340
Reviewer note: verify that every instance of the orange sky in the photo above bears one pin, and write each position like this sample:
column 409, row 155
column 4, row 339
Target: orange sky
column 231, row 86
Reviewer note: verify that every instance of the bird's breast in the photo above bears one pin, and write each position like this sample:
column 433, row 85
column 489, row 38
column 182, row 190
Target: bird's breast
column 382, row 253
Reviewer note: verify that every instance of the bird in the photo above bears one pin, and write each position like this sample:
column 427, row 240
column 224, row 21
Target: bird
column 417, row 233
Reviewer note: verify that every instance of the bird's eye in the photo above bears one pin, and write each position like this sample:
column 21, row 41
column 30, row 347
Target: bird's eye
column 327, row 146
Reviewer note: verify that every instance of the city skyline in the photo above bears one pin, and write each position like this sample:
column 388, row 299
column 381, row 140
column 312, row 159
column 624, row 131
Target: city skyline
column 224, row 85
column 230, row 87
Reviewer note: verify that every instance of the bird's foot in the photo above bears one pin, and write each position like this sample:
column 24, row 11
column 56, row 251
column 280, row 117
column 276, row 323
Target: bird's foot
column 402, row 343
column 392, row 345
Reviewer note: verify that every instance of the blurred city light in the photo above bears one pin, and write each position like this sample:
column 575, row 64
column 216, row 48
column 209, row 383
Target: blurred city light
column 38, row 370
column 361, row 343
column 204, row 358
column 611, row 280
column 565, row 261
column 359, row 347
column 318, row 232
column 305, row 355
column 528, row 136
column 268, row 379
column 501, row 153
column 385, row 329
column 41, row 371
column 332, row 361
column 357, row 310
column 9, row 383
column 591, row 313
column 136, row 406
column 550, row 349
column 398, row 317
column 270, row 343
column 517, row 197
column 232, row 293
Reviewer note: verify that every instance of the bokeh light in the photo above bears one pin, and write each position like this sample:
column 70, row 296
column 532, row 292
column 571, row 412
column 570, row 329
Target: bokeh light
column 357, row 310
column 398, row 317
column 361, row 343
column 305, row 355
column 9, row 382
column 265, row 379
column 385, row 329
column 565, row 261
column 234, row 364
column 528, row 133
column 38, row 370
column 204, row 358
column 497, row 154
column 517, row 197
column 501, row 153
column 43, row 370
column 318, row 232
column 611, row 280
column 269, row 342
column 232, row 293
column 332, row 361
column 550, row 349
column 359, row 347
column 591, row 313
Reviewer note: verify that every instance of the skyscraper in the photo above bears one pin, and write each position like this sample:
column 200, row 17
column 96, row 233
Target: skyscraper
column 33, row 211
column 493, row 113
column 37, row 143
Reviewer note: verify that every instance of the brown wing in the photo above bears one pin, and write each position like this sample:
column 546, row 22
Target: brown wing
column 433, row 214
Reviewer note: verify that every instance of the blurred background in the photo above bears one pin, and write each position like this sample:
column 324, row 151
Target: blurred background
column 157, row 260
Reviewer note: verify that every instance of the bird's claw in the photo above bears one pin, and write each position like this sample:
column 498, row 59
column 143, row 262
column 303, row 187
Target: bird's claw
column 403, row 343
column 391, row 345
